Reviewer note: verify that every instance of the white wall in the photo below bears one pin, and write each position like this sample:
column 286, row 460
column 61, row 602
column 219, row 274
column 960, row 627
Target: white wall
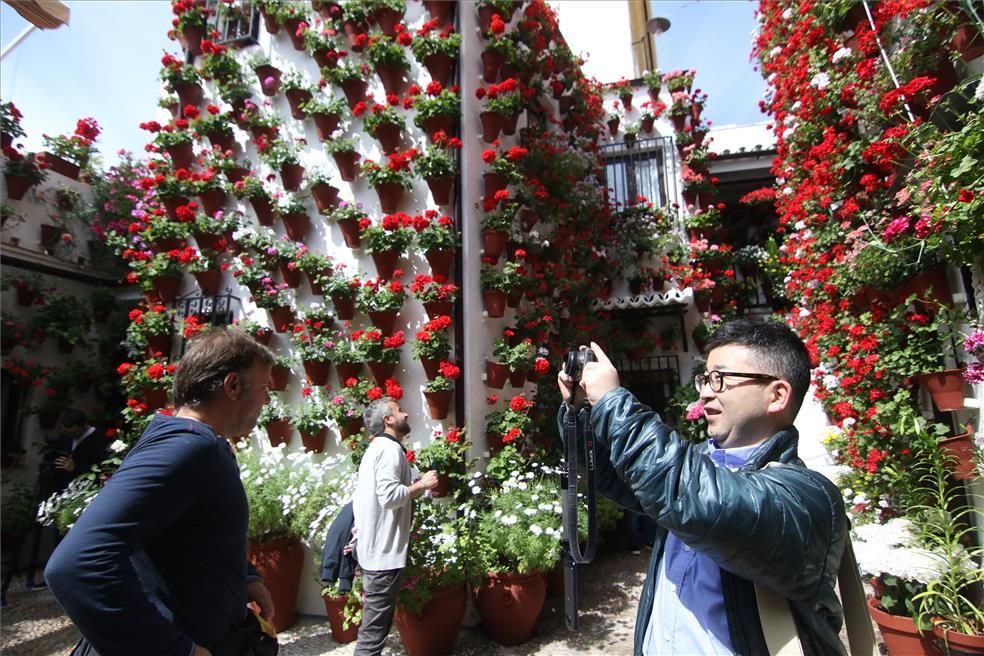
column 599, row 31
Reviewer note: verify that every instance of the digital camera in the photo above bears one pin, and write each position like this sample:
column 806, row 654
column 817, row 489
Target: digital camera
column 574, row 363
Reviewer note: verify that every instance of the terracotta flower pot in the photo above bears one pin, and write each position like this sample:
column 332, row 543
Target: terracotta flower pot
column 334, row 608
column 278, row 377
column 350, row 232
column 317, row 371
column 314, row 442
column 509, row 605
column 346, row 370
column 268, row 132
column 386, row 262
column 159, row 344
column 296, row 98
column 679, row 122
column 387, row 20
column 351, row 427
column 283, row 318
column 440, row 189
column 384, row 320
column 900, row 633
column 381, row 371
column 167, row 288
column 440, row 262
column 326, row 58
column 325, row 124
column 491, row 126
column 443, row 486
column 182, row 155
column 389, row 136
column 355, row 91
column 390, row 194
column 613, row 126
column 347, row 164
column 155, row 398
column 960, row 453
column 17, row 185
column 647, row 125
column 271, row 23
column 438, row 308
column 433, row 631
column 435, row 124
column 344, row 307
column 946, row 388
column 353, row 31
column 263, row 211
column 438, row 403
column 392, row 77
column 225, row 141
column 263, row 336
column 213, row 200
column 280, row 563
column 278, row 431
column 290, row 276
column 495, row 302
column 494, row 182
column 440, row 67
column 62, row 166
column 494, row 243
column 496, row 374
column 509, row 124
column 442, row 10
column 325, row 197
column 492, row 62
column 297, row 225
column 959, row 644
column 292, row 175
column 208, row 281
column 296, row 40
column 189, row 93
column 50, row 235
column 432, row 366
column 517, row 379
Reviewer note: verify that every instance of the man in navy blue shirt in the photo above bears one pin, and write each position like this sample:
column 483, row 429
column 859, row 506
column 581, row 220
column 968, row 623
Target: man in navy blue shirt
column 157, row 564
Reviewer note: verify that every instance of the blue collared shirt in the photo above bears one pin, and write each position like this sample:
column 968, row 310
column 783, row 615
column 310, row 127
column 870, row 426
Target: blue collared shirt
column 688, row 609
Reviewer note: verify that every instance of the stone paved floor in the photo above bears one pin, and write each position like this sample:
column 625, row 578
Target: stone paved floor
column 32, row 624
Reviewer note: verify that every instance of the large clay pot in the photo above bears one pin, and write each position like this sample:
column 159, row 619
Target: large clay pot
column 438, row 403
column 291, row 276
column 278, row 431
column 224, row 140
column 317, row 371
column 334, row 608
column 495, row 302
column 355, row 91
column 346, row 370
column 491, row 126
column 280, row 563
column 392, row 78
column 960, row 644
column 350, row 232
column 388, row 135
column 325, row 197
column 297, row 225
column 326, row 58
column 347, row 163
column 440, row 189
column 390, row 194
column 17, row 185
column 296, row 98
column 509, row 605
column 344, row 307
column 381, row 371
column 292, row 175
column 440, row 67
column 385, row 321
column 900, row 633
column 496, row 374
column 494, row 243
column 351, row 427
column 946, row 388
column 432, row 633
column 440, row 262
column 325, row 124
column 314, row 442
column 385, row 262
column 960, row 452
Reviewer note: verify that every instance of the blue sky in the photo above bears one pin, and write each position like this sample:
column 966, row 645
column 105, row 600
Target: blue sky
column 104, row 64
column 714, row 37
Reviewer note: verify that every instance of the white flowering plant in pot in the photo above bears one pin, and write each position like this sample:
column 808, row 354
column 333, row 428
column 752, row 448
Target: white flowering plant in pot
column 897, row 565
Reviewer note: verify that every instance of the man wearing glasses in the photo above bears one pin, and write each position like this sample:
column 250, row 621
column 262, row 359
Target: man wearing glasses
column 738, row 511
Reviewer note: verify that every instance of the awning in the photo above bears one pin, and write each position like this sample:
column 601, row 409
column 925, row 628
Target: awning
column 46, row 14
column 673, row 297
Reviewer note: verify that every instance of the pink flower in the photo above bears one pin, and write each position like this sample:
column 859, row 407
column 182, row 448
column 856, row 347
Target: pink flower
column 695, row 412
column 974, row 373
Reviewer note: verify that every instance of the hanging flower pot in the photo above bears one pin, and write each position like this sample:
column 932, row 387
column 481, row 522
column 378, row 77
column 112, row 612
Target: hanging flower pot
column 494, row 243
column 283, row 318
column 442, row 488
column 279, row 376
column 491, row 126
column 297, row 225
column 280, row 563
column 654, row 92
column 517, row 379
column 346, row 370
column 208, row 281
column 335, row 610
column 167, row 288
column 206, row 240
column 50, row 235
column 348, row 165
column 351, row 427
column 155, row 398
column 326, row 58
column 384, row 320
column 438, row 403
column 434, row 630
column 564, row 105
column 290, row 276
column 263, row 211
column 496, row 374
column 440, row 262
column 350, row 232
column 296, row 98
column 390, row 194
column 436, row 309
column 159, row 344
column 270, row 22
column 392, row 78
column 435, row 124
column 269, row 77
column 509, row 124
column 647, row 125
column 900, row 634
column 292, row 175
column 259, row 132
column 314, row 442
column 946, row 388
column 494, row 182
column 388, row 135
column 509, row 605
column 432, row 366
column 495, row 302
column 494, row 442
column 354, row 30
column 440, row 189
column 17, row 185
column 317, row 371
column 325, row 124
column 492, row 62
column 344, row 307
column 278, row 430
column 442, row 10
column 189, row 93
column 385, row 262
column 626, row 99
column 387, row 19
column 528, row 218
column 960, row 453
column 62, row 166
column 679, row 122
column 182, row 155
column 312, row 277
column 221, row 140
column 293, row 32
column 355, row 91
column 440, row 67
column 382, row 371
column 325, row 197
column 213, row 200
column 263, row 336
column 695, row 110
column 613, row 126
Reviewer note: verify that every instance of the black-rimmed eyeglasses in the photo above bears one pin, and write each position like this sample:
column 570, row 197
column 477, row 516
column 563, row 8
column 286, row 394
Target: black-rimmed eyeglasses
column 716, row 379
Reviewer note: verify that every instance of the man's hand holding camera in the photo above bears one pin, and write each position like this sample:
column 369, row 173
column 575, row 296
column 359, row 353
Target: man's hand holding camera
column 596, row 378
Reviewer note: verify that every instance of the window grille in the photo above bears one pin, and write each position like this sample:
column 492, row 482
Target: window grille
column 652, row 379
column 219, row 310
column 646, row 167
column 238, row 23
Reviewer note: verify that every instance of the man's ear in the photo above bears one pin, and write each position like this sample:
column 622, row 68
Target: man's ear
column 780, row 396
column 232, row 384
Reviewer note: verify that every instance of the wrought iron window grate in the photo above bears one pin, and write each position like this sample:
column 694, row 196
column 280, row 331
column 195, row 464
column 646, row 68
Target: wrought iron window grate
column 238, row 23
column 652, row 379
column 646, row 167
column 219, row 310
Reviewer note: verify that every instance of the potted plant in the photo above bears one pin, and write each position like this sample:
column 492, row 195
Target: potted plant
column 293, row 212
column 190, row 22
column 178, row 142
column 390, row 180
column 499, row 49
column 438, row 238
column 351, row 77
column 348, row 216
column 252, row 189
column 151, row 329
column 219, row 64
column 282, row 155
column 387, row 241
column 343, row 151
column 297, row 92
column 150, row 380
column 387, row 14
column 315, row 265
column 438, row 390
column 66, row 318
column 447, row 454
column 384, row 123
column 501, row 104
column 432, row 345
column 323, row 45
column 654, row 82
column 438, row 111
column 22, row 172
column 497, row 284
column 67, row 154
column 183, row 79
column 310, row 418
column 517, row 358
column 382, row 352
column 435, row 292
column 217, row 126
column 389, row 58
column 347, row 356
column 438, row 167
column 437, row 50
column 343, row 291
column 10, row 124
column 324, row 193
column 382, row 299
column 326, row 111
column 347, row 405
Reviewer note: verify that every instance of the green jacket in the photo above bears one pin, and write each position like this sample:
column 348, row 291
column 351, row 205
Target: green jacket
column 782, row 527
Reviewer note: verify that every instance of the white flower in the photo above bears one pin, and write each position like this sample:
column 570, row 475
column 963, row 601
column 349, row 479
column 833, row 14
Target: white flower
column 117, row 446
column 509, row 520
column 820, row 81
column 775, row 51
column 476, row 489
column 536, row 530
column 843, row 53
column 787, row 13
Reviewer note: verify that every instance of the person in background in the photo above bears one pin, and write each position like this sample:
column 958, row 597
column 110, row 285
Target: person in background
column 382, row 507
column 157, row 564
column 736, row 514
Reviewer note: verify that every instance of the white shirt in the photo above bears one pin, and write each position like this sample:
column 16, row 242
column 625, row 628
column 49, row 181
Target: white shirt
column 382, row 506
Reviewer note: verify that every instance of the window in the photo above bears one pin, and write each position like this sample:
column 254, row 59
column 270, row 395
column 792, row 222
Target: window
column 238, row 23
column 644, row 167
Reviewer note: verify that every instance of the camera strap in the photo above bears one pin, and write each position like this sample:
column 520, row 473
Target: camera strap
column 579, row 445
